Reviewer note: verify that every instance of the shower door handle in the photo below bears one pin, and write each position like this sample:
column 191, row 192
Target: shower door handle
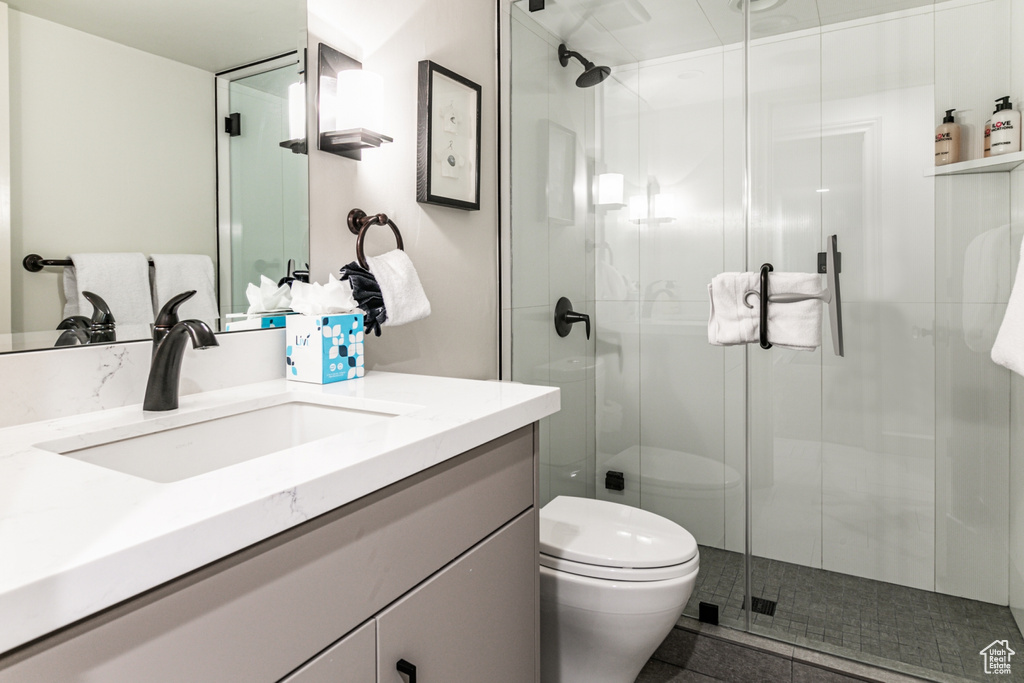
column 565, row 318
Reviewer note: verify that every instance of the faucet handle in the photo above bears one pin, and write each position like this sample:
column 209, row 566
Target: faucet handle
column 101, row 315
column 168, row 315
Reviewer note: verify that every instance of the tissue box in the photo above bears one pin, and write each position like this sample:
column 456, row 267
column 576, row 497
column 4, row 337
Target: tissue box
column 324, row 348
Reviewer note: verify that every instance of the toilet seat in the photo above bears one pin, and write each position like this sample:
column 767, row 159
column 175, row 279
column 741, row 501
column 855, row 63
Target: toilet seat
column 605, row 540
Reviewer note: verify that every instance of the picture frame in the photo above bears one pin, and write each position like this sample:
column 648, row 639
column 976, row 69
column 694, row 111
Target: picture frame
column 448, row 138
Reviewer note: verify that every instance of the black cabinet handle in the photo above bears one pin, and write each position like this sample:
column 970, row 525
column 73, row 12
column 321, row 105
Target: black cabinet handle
column 565, row 317
column 408, row 669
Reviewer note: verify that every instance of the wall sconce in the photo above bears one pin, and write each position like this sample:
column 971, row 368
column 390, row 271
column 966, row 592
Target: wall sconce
column 348, row 103
column 610, row 190
column 652, row 208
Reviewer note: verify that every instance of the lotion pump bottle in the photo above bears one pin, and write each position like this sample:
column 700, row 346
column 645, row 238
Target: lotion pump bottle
column 1005, row 137
column 947, row 140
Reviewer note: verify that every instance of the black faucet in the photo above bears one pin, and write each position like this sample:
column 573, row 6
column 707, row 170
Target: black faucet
column 169, row 335
column 81, row 330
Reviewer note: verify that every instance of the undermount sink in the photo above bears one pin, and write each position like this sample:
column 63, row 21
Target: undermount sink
column 170, row 451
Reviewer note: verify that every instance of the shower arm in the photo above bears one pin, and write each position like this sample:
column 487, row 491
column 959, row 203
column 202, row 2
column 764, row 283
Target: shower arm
column 565, row 53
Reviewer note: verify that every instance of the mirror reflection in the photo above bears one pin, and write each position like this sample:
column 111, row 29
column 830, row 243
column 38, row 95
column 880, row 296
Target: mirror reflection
column 121, row 148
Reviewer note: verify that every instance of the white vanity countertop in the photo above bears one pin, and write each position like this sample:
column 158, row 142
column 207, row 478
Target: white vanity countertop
column 76, row 538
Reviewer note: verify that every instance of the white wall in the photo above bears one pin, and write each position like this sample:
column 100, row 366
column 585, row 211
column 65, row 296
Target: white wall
column 112, row 149
column 455, row 251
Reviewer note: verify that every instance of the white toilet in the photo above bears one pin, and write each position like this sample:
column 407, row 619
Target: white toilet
column 613, row 581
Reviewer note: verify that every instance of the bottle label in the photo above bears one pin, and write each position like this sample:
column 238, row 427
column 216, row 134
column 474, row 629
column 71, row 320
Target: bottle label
column 943, row 137
column 999, row 126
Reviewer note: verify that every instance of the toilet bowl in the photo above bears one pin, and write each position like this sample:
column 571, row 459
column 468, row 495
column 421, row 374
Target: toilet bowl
column 613, row 581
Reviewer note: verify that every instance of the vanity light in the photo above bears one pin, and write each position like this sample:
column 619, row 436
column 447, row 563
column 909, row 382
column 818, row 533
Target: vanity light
column 610, row 190
column 296, row 141
column 652, row 209
column 349, row 102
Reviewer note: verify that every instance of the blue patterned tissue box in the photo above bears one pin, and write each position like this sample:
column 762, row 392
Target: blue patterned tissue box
column 324, row 348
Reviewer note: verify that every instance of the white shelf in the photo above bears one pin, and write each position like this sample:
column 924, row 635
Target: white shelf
column 996, row 164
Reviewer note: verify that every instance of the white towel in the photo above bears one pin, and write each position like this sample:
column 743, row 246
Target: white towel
column 122, row 280
column 400, row 287
column 790, row 325
column 177, row 273
column 1008, row 349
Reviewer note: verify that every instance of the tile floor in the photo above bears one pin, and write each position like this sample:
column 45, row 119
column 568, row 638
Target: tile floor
column 859, row 618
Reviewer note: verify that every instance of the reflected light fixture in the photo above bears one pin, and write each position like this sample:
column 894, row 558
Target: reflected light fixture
column 349, row 102
column 296, row 141
column 610, row 187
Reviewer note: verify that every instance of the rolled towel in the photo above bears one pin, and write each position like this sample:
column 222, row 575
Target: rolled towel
column 790, row 325
column 400, row 287
column 177, row 273
column 122, row 280
column 1008, row 349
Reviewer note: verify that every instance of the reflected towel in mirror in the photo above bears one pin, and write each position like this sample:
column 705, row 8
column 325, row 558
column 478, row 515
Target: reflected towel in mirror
column 177, row 273
column 121, row 279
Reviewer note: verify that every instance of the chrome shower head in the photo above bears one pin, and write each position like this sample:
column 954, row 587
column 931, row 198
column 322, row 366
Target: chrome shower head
column 592, row 74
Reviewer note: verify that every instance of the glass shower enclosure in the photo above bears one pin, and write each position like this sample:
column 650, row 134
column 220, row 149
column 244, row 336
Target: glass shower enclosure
column 865, row 502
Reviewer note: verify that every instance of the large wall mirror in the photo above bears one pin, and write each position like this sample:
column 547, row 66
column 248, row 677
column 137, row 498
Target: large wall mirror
column 118, row 143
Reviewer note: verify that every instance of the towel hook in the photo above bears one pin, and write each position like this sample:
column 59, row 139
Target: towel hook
column 359, row 222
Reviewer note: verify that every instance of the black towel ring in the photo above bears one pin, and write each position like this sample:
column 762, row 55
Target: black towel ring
column 359, row 222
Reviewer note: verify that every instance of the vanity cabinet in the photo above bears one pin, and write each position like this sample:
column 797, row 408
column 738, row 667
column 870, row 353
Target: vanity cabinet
column 438, row 570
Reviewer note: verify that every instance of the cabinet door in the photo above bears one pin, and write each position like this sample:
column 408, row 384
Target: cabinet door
column 353, row 659
column 474, row 621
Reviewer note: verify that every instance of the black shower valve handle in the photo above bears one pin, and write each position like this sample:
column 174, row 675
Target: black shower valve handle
column 565, row 318
column 574, row 317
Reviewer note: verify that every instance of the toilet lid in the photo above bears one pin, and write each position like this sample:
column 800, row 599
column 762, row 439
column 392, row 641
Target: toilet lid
column 609, row 534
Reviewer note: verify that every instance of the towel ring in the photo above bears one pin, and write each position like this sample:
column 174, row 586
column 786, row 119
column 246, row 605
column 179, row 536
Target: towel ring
column 359, row 222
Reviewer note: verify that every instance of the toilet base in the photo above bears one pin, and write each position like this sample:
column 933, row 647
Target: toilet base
column 581, row 645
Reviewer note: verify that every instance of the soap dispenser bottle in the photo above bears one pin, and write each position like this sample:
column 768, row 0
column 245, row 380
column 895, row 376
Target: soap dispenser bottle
column 1005, row 138
column 947, row 140
column 988, row 139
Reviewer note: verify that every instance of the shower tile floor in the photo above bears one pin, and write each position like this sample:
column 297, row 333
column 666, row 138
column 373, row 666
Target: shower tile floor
column 859, row 618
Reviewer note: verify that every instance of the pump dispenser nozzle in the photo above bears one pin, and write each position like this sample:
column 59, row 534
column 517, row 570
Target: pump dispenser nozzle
column 1002, row 103
column 948, row 118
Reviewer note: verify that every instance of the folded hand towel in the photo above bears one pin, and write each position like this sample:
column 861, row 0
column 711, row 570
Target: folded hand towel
column 1008, row 349
column 400, row 287
column 122, row 280
column 177, row 273
column 791, row 325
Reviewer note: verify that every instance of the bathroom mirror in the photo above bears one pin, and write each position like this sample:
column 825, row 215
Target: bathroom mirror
column 117, row 143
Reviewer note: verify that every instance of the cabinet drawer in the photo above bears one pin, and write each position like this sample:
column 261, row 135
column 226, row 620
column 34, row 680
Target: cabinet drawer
column 262, row 612
column 353, row 659
column 473, row 622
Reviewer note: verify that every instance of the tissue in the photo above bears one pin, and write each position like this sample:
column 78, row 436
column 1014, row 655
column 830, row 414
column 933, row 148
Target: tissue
column 315, row 299
column 267, row 297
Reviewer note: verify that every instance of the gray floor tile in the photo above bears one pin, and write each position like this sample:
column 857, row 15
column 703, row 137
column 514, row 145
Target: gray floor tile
column 858, row 616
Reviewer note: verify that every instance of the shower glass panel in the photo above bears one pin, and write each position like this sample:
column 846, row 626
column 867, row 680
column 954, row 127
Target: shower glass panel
column 269, row 184
column 864, row 502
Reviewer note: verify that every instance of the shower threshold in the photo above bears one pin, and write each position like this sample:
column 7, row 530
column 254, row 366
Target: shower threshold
column 917, row 632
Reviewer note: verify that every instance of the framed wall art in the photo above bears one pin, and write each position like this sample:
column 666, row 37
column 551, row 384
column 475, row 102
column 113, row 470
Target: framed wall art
column 448, row 139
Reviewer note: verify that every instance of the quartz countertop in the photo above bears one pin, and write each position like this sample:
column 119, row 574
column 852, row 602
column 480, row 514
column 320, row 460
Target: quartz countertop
column 76, row 538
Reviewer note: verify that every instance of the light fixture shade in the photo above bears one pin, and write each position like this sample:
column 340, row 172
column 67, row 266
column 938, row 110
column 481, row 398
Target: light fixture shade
column 664, row 207
column 358, row 100
column 297, row 111
column 610, row 189
column 328, row 98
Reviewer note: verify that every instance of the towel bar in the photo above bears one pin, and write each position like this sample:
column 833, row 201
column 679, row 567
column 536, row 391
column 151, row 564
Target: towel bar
column 34, row 263
column 359, row 222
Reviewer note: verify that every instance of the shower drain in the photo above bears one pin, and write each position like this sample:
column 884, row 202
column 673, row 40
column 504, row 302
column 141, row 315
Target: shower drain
column 762, row 606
